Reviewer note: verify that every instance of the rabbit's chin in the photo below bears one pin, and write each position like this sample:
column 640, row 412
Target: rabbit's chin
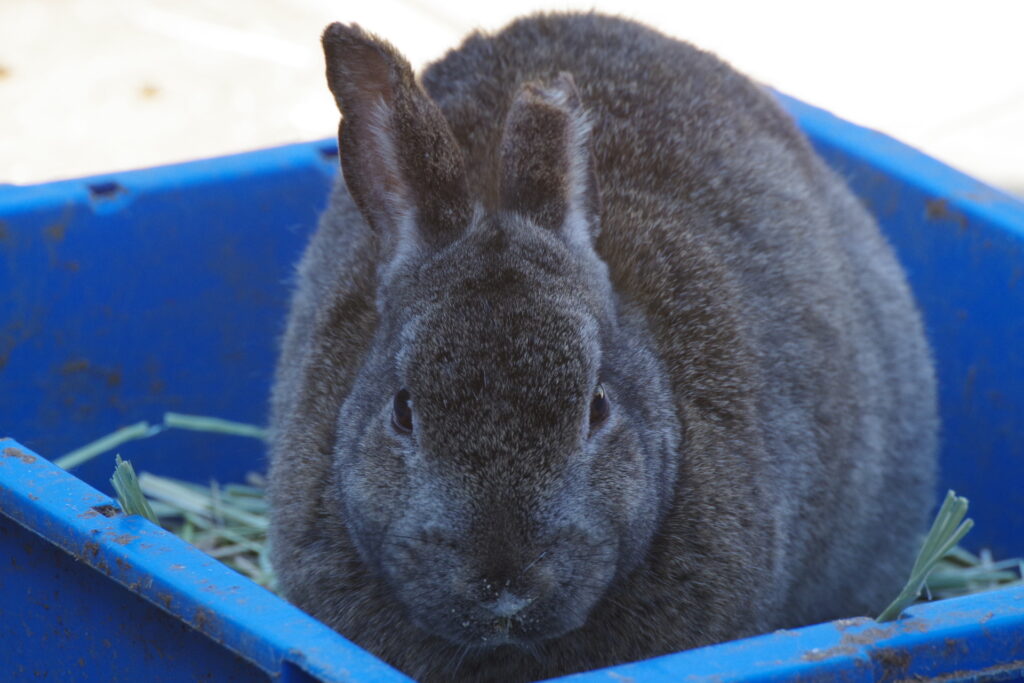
column 479, row 629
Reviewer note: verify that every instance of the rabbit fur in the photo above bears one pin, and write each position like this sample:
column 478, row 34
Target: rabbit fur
column 576, row 205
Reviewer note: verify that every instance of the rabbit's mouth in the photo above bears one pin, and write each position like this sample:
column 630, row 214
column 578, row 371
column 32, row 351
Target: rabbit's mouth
column 503, row 603
column 484, row 631
column 521, row 620
column 490, row 591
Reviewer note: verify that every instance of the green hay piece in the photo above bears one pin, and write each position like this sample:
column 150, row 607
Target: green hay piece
column 144, row 430
column 201, row 423
column 203, row 504
column 947, row 530
column 226, row 522
column 129, row 495
column 229, row 522
column 963, row 573
column 139, row 430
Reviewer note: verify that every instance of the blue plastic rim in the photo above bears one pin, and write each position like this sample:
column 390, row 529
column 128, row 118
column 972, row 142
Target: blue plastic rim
column 127, row 295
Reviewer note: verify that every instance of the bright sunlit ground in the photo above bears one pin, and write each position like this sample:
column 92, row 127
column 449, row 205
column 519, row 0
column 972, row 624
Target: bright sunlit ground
column 88, row 86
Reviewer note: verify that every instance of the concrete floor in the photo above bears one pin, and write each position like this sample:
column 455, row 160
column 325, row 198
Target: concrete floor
column 88, row 86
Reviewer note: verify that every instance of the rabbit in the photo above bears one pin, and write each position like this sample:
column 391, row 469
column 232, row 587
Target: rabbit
column 590, row 359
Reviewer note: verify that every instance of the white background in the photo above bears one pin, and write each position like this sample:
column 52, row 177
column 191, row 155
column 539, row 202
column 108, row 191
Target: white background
column 89, row 86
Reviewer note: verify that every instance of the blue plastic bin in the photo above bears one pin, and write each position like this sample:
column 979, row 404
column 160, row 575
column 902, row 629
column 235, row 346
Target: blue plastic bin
column 127, row 295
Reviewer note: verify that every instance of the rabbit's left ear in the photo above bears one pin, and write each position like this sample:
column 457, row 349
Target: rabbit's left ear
column 547, row 164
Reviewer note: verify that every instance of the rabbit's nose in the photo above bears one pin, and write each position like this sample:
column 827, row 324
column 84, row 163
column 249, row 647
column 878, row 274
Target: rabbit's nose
column 508, row 604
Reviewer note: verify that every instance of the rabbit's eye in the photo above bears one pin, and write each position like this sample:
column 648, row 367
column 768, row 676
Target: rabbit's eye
column 600, row 406
column 401, row 416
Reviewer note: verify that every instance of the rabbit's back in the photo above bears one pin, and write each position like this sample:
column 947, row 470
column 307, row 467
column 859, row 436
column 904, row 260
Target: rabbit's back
column 796, row 353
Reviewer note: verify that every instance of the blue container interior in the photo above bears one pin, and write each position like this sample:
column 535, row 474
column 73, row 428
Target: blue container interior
column 128, row 295
column 148, row 291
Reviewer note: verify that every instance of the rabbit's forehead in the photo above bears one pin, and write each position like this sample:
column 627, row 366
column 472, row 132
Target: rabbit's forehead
column 483, row 392
column 505, row 314
column 512, row 338
column 476, row 403
column 502, row 367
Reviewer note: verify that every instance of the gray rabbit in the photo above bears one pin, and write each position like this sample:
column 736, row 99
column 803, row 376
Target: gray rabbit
column 591, row 359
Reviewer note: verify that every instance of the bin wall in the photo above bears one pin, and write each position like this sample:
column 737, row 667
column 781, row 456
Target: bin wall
column 165, row 289
column 89, row 593
column 66, row 621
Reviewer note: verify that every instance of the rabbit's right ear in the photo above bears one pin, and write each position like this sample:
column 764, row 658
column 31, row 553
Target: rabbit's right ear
column 547, row 163
column 401, row 162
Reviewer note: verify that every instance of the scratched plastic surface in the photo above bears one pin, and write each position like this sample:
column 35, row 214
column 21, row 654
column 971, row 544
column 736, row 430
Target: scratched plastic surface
column 130, row 294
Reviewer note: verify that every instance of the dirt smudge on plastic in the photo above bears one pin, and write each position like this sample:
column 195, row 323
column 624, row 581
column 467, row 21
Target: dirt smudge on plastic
column 12, row 452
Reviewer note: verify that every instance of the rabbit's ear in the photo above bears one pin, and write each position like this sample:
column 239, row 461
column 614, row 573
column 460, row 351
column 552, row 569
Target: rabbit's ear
column 547, row 164
column 401, row 162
